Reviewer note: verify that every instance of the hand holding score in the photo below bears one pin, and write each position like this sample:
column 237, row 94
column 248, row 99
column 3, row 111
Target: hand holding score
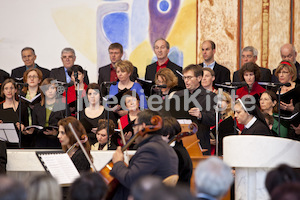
column 118, row 155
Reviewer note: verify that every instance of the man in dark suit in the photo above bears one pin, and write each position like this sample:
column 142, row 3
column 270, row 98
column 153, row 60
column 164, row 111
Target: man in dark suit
column 3, row 76
column 222, row 74
column 161, row 50
column 68, row 58
column 200, row 104
column 212, row 171
column 28, row 57
column 249, row 54
column 108, row 72
column 288, row 52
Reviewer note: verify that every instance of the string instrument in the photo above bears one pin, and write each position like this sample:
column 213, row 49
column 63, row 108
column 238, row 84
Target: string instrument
column 156, row 124
column 84, row 139
column 193, row 128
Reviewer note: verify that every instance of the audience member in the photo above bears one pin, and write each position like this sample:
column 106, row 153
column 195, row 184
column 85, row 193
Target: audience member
column 108, row 72
column 248, row 114
column 166, row 77
column 47, row 114
column 104, row 139
column 250, row 73
column 143, row 185
column 279, row 176
column 222, row 74
column 11, row 189
column 161, row 50
column 90, row 116
column 68, row 58
column 249, row 54
column 208, row 79
column 289, row 53
column 205, row 118
column 89, row 186
column 288, row 191
column 170, row 130
column 213, row 179
column 43, row 187
column 28, row 57
column 153, row 157
column 168, row 193
column 69, row 143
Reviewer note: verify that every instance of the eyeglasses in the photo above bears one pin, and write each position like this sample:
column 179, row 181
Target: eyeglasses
column 283, row 72
column 32, row 77
column 188, row 77
column 288, row 56
column 247, row 56
column 67, row 57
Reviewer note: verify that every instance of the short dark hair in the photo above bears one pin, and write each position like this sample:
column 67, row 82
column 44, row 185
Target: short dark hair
column 197, row 69
column 144, row 184
column 145, row 116
column 89, row 186
column 102, row 124
column 75, row 68
column 28, row 48
column 250, row 67
column 213, row 45
column 116, row 46
column 171, row 127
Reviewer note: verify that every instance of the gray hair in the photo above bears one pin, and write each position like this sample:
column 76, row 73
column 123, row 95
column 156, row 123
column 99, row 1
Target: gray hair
column 213, row 177
column 68, row 49
column 251, row 49
column 167, row 43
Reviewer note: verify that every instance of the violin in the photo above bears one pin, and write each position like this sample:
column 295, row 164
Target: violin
column 83, row 139
column 193, row 128
column 156, row 124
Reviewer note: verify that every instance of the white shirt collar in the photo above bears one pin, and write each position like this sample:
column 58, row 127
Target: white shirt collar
column 251, row 122
column 211, row 65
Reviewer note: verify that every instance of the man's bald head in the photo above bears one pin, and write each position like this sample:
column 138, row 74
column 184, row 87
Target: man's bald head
column 288, row 52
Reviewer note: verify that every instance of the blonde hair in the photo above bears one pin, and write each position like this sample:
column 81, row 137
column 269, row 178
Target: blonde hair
column 125, row 65
column 289, row 66
column 168, row 76
column 228, row 111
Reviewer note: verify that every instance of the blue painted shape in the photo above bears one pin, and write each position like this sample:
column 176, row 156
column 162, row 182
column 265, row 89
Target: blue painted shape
column 164, row 5
column 116, row 27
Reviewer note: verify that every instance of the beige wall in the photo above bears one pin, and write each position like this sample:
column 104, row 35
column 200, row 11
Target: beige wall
column 265, row 24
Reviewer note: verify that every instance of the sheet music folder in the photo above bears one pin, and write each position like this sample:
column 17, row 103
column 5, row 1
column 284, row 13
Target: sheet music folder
column 59, row 165
column 8, row 133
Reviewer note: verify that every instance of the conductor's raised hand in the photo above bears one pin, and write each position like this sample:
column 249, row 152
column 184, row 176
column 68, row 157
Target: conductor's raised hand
column 195, row 112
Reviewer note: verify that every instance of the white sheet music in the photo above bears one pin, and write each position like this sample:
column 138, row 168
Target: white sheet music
column 60, row 167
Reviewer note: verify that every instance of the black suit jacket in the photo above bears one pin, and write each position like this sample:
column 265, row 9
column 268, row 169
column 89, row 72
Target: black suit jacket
column 60, row 75
column 19, row 71
column 3, row 76
column 208, row 116
column 104, row 74
column 265, row 75
column 275, row 78
column 222, row 74
column 151, row 71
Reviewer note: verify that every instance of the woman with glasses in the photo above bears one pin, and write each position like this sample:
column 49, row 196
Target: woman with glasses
column 166, row 77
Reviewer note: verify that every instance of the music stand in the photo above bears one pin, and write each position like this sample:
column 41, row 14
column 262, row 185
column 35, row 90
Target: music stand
column 8, row 133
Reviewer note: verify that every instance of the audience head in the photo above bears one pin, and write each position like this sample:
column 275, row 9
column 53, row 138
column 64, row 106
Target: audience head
column 48, row 90
column 213, row 172
column 279, row 176
column 170, row 129
column 28, row 57
column 192, row 75
column 286, row 72
column 115, row 51
column 165, row 76
column 101, row 133
column 68, row 57
column 168, row 193
column 132, row 100
column 288, row 52
column 93, row 93
column 65, row 135
column 161, row 49
column 250, row 73
column 268, row 102
column 249, row 54
column 208, row 78
column 143, row 185
column 287, row 191
column 80, row 72
column 11, row 189
column 43, row 187
column 124, row 69
column 89, row 186
column 208, row 51
column 8, row 89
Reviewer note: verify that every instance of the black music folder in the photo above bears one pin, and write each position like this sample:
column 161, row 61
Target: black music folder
column 59, row 165
column 33, row 101
column 292, row 119
column 41, row 127
column 9, row 116
column 119, row 96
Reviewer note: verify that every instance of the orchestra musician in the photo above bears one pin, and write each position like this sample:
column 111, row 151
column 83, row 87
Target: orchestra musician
column 70, row 145
column 153, row 157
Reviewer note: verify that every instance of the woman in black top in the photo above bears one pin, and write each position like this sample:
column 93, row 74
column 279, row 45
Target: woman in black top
column 69, row 142
column 90, row 116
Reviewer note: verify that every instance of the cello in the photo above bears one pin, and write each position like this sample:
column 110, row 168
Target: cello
column 193, row 128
